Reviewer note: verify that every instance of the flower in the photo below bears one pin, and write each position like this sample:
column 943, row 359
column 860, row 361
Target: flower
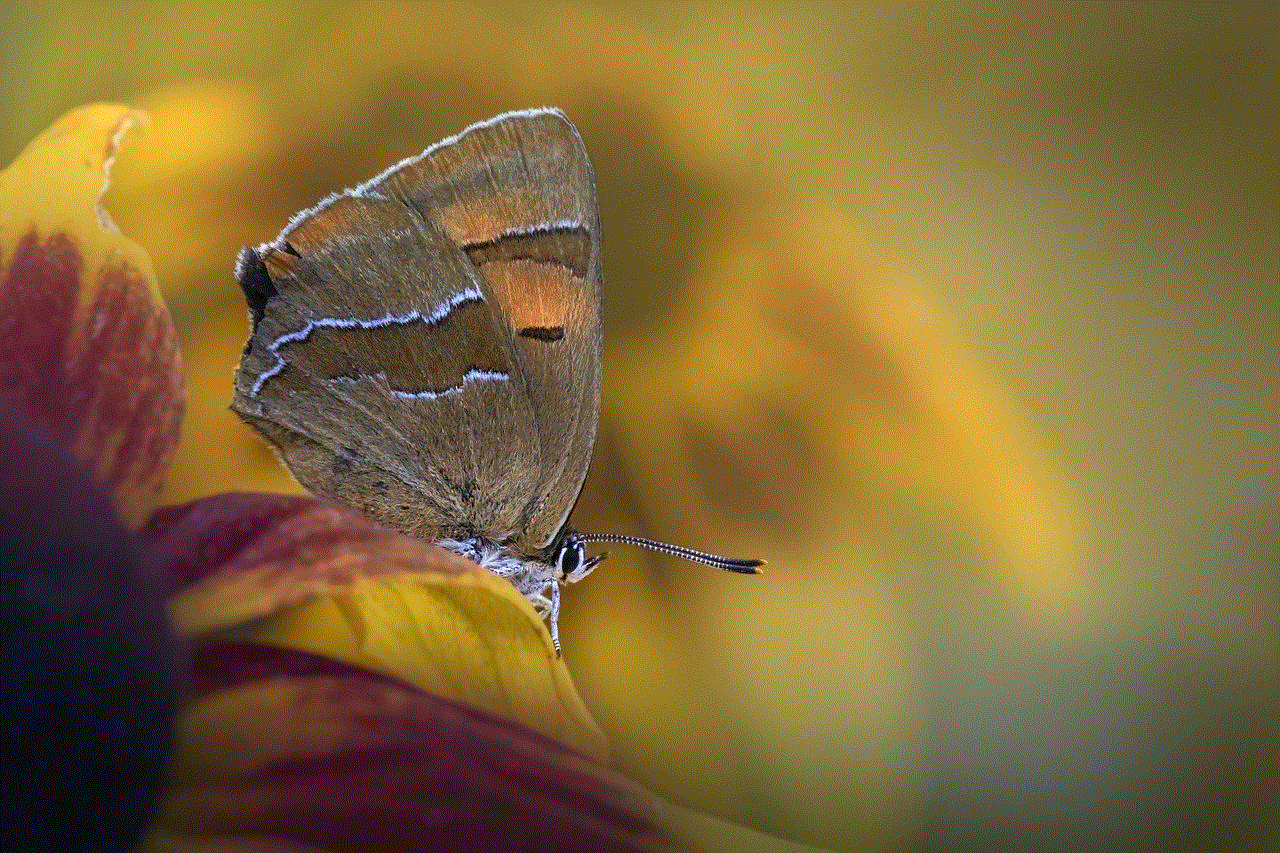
column 346, row 687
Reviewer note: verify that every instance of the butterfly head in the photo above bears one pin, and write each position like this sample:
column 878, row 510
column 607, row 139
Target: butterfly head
column 569, row 556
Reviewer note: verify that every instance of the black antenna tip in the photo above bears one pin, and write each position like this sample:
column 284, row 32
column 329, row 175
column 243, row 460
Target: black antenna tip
column 730, row 564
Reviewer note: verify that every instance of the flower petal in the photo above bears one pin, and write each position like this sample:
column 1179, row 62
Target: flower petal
column 288, row 747
column 300, row 573
column 85, row 340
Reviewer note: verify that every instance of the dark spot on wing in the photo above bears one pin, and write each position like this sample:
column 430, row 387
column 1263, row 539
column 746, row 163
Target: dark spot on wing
column 549, row 334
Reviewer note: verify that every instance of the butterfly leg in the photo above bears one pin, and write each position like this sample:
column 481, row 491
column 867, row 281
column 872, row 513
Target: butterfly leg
column 547, row 607
column 555, row 616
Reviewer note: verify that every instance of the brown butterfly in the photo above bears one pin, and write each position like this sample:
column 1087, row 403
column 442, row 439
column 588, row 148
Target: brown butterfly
column 425, row 349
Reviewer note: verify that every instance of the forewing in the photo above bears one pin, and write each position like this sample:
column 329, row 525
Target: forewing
column 517, row 194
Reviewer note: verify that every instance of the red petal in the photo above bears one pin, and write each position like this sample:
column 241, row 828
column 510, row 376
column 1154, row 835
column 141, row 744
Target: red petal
column 86, row 342
column 244, row 555
column 316, row 753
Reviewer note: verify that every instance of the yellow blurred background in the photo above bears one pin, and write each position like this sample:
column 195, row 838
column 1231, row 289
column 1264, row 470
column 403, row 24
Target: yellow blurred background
column 964, row 317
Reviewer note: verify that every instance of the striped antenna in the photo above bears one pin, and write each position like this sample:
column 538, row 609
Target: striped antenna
column 744, row 567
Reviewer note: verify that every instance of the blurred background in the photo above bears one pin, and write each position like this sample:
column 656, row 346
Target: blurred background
column 964, row 317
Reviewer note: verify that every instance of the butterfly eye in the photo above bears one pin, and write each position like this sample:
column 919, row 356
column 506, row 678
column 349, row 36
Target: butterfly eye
column 572, row 564
column 569, row 558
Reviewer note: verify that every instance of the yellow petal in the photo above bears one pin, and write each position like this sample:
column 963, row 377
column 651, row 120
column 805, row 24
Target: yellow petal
column 299, row 573
column 86, row 342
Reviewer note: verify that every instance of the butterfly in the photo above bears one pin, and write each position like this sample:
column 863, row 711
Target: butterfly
column 425, row 348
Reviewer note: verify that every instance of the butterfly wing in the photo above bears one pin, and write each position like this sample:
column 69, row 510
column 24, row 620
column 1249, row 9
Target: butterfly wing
column 381, row 372
column 426, row 347
column 517, row 194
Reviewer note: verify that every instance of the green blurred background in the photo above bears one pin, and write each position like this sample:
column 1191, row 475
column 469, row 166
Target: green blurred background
column 965, row 317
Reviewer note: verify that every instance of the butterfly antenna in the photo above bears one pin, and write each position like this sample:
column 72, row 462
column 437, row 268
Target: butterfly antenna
column 744, row 567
